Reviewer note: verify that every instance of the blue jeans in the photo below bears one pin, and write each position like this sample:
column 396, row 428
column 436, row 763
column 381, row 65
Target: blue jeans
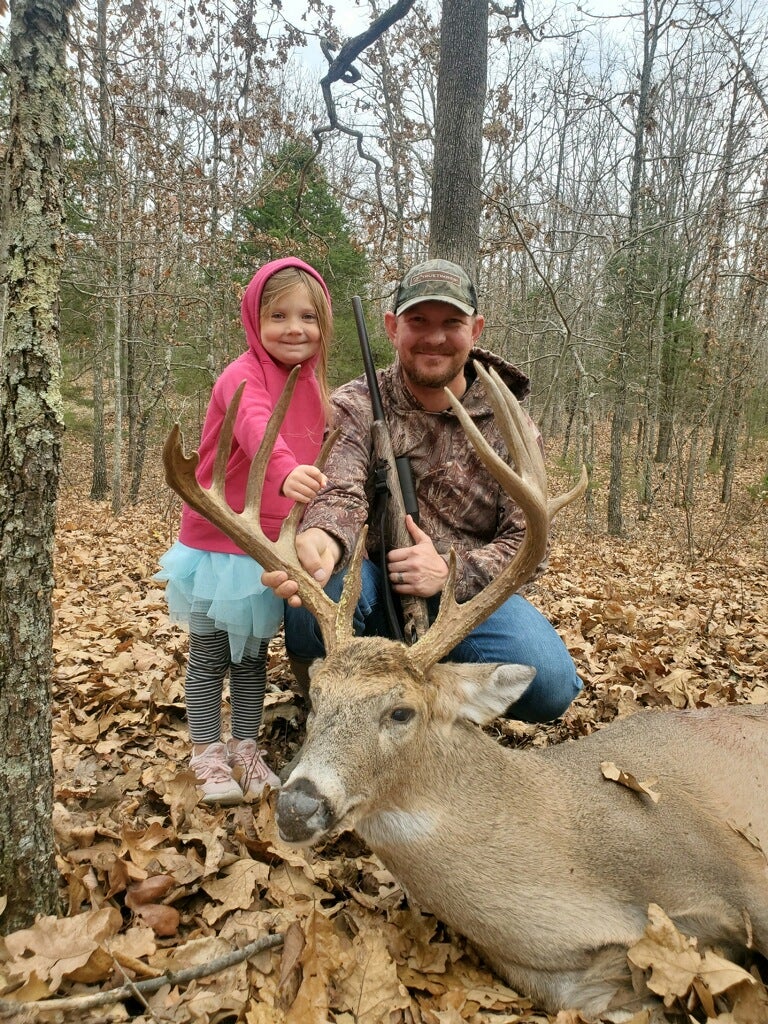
column 516, row 633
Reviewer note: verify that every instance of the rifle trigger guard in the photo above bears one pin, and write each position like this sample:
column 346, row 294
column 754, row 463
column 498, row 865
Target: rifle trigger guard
column 380, row 477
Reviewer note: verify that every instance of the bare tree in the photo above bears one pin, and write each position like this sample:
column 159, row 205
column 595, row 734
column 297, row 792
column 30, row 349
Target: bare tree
column 461, row 87
column 99, row 482
column 656, row 21
column 745, row 341
column 31, row 425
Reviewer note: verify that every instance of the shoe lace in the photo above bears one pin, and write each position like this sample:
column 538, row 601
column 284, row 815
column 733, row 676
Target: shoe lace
column 210, row 766
column 251, row 760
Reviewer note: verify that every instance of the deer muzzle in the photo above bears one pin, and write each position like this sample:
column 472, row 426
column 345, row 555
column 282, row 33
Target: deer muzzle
column 303, row 815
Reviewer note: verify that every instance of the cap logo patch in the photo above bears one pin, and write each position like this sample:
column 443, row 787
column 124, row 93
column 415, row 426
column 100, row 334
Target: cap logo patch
column 435, row 275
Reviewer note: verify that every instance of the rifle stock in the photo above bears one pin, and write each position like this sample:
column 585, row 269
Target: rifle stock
column 400, row 486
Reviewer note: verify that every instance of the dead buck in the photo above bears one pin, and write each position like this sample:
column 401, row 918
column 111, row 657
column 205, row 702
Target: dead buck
column 543, row 864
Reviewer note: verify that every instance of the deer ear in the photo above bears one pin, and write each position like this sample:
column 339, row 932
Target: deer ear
column 488, row 690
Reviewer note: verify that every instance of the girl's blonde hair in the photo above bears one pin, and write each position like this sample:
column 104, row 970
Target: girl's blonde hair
column 275, row 288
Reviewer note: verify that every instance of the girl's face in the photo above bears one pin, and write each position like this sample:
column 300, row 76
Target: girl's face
column 290, row 332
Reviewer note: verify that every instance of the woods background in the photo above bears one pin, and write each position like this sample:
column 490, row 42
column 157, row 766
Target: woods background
column 622, row 251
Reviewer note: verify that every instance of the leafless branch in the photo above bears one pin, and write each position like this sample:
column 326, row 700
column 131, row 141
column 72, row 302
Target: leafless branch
column 735, row 42
column 517, row 10
column 341, row 69
column 117, row 995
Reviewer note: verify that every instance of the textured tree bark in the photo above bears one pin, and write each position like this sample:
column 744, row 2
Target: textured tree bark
column 99, row 481
column 31, row 426
column 461, row 88
column 655, row 21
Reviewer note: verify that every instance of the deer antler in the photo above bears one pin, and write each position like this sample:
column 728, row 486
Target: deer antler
column 244, row 528
column 527, row 485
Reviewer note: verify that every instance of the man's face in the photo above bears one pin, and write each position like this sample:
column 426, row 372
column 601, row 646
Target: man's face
column 433, row 341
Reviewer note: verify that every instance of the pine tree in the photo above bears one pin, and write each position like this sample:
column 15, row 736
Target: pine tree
column 298, row 215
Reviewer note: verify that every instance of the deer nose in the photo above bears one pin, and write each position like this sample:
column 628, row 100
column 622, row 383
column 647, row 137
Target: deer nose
column 302, row 813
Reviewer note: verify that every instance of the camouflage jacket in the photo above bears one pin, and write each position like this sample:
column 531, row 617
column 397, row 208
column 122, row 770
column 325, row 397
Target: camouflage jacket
column 460, row 504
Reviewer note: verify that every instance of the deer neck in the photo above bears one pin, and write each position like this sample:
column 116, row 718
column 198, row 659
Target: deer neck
column 451, row 771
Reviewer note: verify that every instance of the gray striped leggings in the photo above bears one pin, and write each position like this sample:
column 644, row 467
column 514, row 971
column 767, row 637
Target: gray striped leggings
column 208, row 664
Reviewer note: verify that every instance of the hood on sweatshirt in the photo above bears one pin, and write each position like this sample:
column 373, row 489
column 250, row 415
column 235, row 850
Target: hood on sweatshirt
column 251, row 304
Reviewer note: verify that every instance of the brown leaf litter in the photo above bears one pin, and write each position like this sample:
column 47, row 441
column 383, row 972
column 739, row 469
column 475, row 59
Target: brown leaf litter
column 158, row 888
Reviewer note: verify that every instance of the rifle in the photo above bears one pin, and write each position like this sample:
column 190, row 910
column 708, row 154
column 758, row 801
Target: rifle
column 396, row 498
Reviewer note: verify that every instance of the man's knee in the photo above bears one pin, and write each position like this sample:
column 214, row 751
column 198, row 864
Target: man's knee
column 302, row 635
column 546, row 698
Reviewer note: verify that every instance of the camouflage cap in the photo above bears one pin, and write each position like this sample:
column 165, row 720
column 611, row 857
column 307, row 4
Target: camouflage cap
column 436, row 281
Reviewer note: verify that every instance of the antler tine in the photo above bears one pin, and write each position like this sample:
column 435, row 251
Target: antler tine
column 244, row 528
column 527, row 485
column 513, row 425
column 528, row 459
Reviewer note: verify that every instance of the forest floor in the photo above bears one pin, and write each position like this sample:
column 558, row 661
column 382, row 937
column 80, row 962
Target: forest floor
column 154, row 883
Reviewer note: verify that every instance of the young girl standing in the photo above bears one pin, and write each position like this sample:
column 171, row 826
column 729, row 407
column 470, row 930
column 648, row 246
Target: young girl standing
column 213, row 587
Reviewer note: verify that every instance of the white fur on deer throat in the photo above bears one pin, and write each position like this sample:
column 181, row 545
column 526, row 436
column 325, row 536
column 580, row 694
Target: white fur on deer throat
column 391, row 828
column 388, row 827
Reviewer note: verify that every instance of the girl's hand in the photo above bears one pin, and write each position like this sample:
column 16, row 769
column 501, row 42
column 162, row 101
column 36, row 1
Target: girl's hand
column 303, row 483
column 318, row 553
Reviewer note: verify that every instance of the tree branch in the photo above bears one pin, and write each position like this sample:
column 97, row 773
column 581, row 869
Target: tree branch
column 117, row 995
column 736, row 44
column 341, row 69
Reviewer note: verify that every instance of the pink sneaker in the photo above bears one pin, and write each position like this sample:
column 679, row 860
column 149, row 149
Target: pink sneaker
column 214, row 776
column 251, row 770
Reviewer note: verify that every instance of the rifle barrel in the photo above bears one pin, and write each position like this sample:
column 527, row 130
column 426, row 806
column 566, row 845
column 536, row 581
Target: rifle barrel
column 370, row 369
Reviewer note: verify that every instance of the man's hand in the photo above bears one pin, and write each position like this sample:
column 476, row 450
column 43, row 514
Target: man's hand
column 318, row 553
column 419, row 570
column 303, row 483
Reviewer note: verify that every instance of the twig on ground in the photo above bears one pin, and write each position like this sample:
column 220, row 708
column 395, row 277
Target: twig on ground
column 116, row 995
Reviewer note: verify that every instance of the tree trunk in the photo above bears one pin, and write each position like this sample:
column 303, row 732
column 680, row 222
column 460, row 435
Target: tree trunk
column 31, row 426
column 461, row 88
column 716, row 260
column 743, row 355
column 117, row 361
column 99, row 482
column 620, row 420
column 392, row 117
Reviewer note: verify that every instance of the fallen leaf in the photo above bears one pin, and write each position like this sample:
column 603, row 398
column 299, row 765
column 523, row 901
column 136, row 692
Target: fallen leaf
column 68, row 947
column 610, row 771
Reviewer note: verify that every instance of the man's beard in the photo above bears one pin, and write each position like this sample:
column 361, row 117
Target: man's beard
column 434, row 378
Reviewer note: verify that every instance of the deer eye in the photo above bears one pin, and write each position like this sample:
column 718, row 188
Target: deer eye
column 402, row 714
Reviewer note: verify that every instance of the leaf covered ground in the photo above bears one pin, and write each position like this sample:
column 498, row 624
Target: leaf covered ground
column 163, row 897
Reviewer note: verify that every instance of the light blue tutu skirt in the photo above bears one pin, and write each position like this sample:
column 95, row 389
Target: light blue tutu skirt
column 225, row 589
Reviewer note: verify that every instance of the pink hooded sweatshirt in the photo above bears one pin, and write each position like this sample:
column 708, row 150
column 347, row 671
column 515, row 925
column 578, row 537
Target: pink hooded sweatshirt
column 297, row 444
